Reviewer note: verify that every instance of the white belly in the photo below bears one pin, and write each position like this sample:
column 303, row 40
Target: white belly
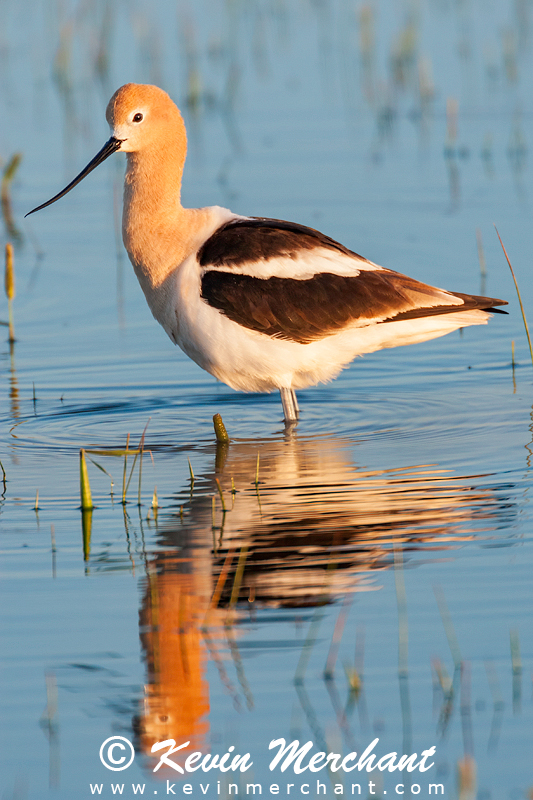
column 255, row 362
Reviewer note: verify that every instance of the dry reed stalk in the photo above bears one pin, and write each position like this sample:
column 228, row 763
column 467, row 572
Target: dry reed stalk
column 9, row 282
column 518, row 293
column 219, row 487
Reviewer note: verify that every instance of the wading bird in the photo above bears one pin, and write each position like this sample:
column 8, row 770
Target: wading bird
column 261, row 304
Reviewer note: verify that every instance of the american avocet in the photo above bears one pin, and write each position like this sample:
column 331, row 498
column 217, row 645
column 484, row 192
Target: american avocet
column 261, row 304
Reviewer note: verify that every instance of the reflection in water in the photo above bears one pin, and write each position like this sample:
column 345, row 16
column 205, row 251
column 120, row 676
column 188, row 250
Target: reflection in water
column 312, row 529
column 331, row 530
column 176, row 701
column 316, row 525
column 14, row 399
column 50, row 727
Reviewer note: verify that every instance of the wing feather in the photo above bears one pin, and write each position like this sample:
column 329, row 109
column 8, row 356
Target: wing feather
column 306, row 309
column 255, row 239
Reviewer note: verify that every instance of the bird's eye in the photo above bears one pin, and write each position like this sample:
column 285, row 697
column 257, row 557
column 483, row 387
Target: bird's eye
column 138, row 117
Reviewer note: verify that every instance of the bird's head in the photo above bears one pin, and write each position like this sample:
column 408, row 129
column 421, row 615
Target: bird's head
column 142, row 118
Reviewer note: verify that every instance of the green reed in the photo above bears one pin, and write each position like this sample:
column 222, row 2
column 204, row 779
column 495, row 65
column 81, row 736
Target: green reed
column 85, row 486
column 220, row 429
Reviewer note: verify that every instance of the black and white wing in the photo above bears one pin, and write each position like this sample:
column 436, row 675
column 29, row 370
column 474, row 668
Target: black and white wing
column 292, row 282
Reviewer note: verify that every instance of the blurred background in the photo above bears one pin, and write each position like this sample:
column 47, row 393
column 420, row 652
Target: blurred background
column 368, row 575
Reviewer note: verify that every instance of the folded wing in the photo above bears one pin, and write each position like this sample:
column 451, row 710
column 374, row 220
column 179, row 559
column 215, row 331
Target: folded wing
column 319, row 303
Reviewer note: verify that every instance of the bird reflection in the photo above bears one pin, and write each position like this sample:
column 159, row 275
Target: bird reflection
column 176, row 596
column 303, row 527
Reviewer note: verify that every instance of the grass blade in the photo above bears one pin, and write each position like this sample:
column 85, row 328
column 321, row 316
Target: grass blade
column 518, row 293
column 124, row 487
column 219, row 487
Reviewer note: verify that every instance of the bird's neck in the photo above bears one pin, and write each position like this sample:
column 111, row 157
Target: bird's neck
column 158, row 232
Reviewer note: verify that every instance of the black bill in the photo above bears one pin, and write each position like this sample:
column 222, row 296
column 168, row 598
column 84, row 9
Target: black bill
column 110, row 147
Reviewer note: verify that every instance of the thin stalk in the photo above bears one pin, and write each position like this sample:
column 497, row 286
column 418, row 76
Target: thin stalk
column 238, row 577
column 498, row 706
column 401, row 598
column 518, row 293
column 219, row 487
column 448, row 625
column 10, row 320
column 48, row 716
column 99, row 466
column 54, row 550
column 140, row 478
column 220, row 584
column 191, row 473
column 338, row 630
column 307, row 646
column 516, row 661
column 138, row 452
column 482, row 261
column 124, row 487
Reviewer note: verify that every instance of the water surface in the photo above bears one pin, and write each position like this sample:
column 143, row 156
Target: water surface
column 369, row 575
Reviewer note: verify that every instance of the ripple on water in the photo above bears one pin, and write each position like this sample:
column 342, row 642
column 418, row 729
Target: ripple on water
column 182, row 417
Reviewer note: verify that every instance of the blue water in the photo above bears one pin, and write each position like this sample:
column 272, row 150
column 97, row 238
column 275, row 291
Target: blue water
column 394, row 522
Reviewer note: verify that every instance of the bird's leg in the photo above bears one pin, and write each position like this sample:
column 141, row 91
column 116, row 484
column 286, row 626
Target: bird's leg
column 295, row 403
column 290, row 404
